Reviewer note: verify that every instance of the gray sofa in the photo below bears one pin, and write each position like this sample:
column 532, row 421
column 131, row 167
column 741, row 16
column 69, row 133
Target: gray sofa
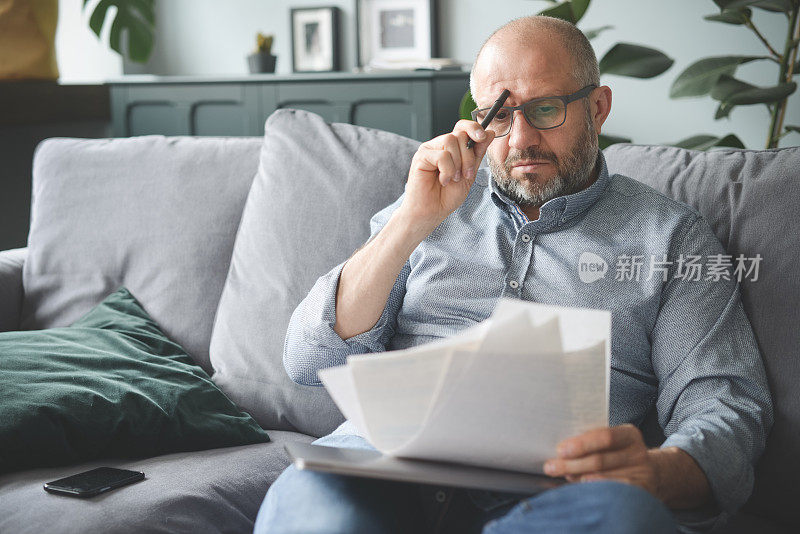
column 220, row 238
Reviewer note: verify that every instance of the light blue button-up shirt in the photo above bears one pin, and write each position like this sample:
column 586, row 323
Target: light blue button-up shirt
column 682, row 348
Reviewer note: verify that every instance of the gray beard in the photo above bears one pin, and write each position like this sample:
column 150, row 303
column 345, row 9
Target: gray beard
column 573, row 171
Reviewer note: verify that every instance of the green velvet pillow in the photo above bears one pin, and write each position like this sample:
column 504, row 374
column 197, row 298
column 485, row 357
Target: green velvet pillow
column 110, row 385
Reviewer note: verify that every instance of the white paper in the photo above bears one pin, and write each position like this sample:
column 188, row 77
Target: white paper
column 503, row 333
column 341, row 387
column 501, row 394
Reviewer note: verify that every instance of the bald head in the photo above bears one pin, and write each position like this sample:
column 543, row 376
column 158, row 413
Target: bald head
column 541, row 31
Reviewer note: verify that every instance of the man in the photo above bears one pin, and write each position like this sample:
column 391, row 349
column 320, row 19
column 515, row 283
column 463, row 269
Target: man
column 461, row 237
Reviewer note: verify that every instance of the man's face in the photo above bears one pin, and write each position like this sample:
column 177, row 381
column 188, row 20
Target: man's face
column 564, row 156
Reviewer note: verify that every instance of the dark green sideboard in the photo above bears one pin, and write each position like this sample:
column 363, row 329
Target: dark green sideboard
column 416, row 104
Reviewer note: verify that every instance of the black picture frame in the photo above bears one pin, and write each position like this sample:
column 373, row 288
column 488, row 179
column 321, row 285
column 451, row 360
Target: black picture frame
column 363, row 58
column 322, row 33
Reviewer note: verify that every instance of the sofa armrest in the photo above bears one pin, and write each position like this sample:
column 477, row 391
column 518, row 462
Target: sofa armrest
column 11, row 263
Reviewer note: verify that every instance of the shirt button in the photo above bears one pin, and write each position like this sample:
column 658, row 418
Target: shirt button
column 440, row 496
column 525, row 238
column 514, row 284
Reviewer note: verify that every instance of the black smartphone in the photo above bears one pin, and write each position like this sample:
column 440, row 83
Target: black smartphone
column 93, row 482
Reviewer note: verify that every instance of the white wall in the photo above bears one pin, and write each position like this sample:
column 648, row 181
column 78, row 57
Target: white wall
column 212, row 37
column 80, row 54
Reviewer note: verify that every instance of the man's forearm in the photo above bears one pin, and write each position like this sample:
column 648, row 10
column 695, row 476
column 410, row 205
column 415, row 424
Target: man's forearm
column 681, row 483
column 368, row 276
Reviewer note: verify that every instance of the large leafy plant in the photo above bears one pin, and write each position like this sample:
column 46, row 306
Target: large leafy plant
column 134, row 17
column 712, row 76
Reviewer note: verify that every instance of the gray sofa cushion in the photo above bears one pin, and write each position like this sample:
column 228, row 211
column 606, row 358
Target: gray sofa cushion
column 11, row 263
column 213, row 491
column 308, row 210
column 155, row 214
column 752, row 200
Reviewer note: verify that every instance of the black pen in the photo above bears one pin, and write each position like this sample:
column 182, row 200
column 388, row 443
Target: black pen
column 492, row 112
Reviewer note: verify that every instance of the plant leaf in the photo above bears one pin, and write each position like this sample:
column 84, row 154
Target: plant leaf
column 136, row 17
column 727, row 86
column 605, row 141
column 98, row 16
column 738, row 93
column 696, row 141
column 561, row 11
column 467, row 106
column 723, row 111
column 626, row 59
column 591, row 34
column 790, row 128
column 781, row 6
column 731, row 16
column 146, row 9
column 699, row 77
column 704, row 142
column 732, row 141
column 579, row 8
column 115, row 36
column 140, row 39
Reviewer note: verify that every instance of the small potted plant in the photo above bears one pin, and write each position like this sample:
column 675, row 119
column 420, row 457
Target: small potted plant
column 261, row 60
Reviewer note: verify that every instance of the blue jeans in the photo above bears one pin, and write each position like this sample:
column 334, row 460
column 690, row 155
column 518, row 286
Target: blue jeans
column 312, row 502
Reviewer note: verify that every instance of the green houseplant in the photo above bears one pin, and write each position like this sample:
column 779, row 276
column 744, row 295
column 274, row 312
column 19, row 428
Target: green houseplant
column 136, row 18
column 262, row 60
column 714, row 76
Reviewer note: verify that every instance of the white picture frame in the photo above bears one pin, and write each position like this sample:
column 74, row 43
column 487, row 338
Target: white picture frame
column 315, row 39
column 395, row 30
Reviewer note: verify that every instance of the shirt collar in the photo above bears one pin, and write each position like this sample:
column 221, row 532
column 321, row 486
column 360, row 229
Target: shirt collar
column 559, row 210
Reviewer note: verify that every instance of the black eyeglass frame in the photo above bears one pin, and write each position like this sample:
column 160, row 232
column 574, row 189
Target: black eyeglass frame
column 577, row 95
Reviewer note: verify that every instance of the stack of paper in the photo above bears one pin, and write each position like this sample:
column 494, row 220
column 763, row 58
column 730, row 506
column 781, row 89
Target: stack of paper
column 501, row 394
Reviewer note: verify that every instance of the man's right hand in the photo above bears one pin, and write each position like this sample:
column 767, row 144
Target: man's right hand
column 442, row 172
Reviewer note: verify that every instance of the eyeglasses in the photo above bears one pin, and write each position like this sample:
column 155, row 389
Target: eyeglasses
column 541, row 113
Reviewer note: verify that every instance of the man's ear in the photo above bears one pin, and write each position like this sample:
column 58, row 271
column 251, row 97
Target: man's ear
column 600, row 102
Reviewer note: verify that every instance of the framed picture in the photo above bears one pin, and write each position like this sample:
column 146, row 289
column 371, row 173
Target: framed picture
column 395, row 30
column 315, row 39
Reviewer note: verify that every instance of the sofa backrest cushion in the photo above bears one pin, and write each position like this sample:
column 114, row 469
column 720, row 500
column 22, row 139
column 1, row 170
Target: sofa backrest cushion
column 309, row 208
column 155, row 214
column 752, row 200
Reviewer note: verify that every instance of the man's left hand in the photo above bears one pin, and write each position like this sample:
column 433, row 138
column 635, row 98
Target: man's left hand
column 616, row 453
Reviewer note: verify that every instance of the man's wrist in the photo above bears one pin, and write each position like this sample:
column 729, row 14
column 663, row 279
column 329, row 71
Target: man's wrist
column 680, row 482
column 412, row 230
